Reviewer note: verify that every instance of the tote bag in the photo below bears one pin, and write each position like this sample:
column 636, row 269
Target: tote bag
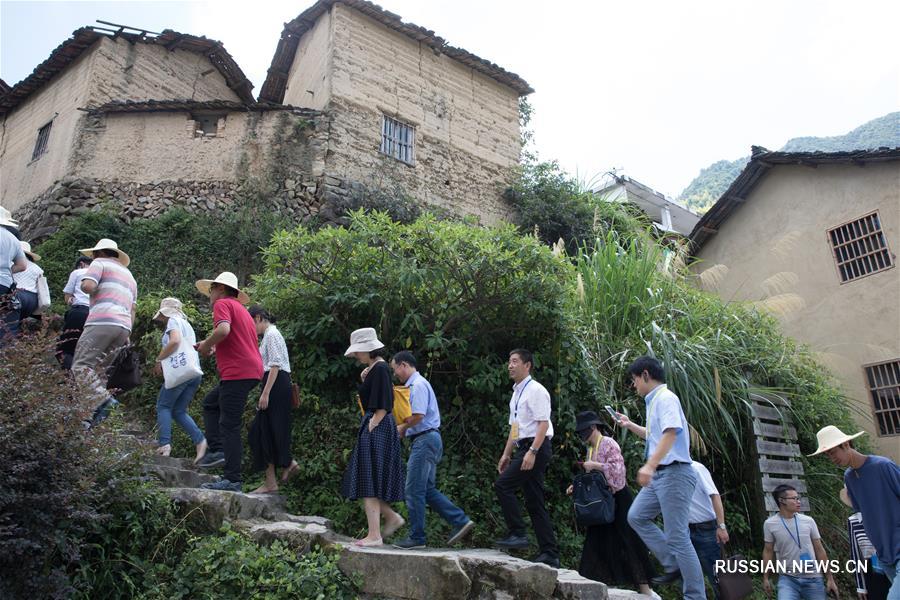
column 594, row 502
column 737, row 585
column 181, row 366
column 125, row 371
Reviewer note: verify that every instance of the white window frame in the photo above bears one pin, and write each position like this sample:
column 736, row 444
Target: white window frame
column 398, row 140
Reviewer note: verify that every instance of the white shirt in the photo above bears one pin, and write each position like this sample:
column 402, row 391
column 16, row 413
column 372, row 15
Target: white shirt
column 701, row 504
column 273, row 350
column 530, row 403
column 73, row 287
column 28, row 279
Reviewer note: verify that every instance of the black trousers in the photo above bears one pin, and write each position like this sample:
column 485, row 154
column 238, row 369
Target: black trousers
column 73, row 326
column 532, row 484
column 223, row 411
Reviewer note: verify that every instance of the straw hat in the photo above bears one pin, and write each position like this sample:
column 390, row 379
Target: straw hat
column 6, row 218
column 170, row 307
column 363, row 340
column 107, row 244
column 830, row 437
column 226, row 278
column 26, row 248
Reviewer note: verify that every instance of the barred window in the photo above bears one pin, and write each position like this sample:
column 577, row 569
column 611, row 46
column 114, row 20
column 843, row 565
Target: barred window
column 40, row 146
column 883, row 380
column 398, row 140
column 860, row 248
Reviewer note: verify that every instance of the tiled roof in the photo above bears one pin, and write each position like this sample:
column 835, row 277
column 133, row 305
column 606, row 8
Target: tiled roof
column 132, row 106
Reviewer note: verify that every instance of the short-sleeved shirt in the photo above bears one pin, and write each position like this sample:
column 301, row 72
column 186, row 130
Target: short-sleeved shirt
column 530, row 404
column 28, row 279
column 701, row 504
column 423, row 402
column 10, row 252
column 783, row 533
column 185, row 330
column 274, row 350
column 116, row 293
column 237, row 356
column 73, row 287
column 612, row 463
column 377, row 391
column 664, row 412
column 874, row 490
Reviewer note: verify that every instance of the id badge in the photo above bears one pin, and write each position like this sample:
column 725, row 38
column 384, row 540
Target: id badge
column 514, row 431
column 807, row 561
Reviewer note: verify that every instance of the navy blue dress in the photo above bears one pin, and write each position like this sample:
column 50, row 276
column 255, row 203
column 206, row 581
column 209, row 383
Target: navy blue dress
column 375, row 468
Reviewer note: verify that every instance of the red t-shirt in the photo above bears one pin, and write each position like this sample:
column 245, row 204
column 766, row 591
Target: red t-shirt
column 237, row 356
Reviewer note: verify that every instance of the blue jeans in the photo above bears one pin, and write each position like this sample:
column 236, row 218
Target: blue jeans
column 670, row 493
column 707, row 546
column 424, row 455
column 172, row 404
column 800, row 588
column 892, row 572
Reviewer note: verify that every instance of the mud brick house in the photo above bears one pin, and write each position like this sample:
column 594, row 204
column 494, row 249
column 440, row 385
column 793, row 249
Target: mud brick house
column 356, row 100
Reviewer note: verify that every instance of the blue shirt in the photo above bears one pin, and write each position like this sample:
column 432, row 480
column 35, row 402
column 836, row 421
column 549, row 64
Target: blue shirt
column 423, row 402
column 874, row 490
column 10, row 252
column 664, row 412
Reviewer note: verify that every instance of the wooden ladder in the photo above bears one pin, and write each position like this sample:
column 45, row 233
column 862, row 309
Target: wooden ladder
column 776, row 448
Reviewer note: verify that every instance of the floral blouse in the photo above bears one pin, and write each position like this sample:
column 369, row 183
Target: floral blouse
column 612, row 463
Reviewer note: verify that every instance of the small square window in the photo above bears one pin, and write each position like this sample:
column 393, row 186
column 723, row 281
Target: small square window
column 860, row 248
column 883, row 381
column 43, row 138
column 206, row 124
column 398, row 140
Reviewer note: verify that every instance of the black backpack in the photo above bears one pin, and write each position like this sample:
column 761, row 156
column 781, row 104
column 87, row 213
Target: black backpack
column 594, row 501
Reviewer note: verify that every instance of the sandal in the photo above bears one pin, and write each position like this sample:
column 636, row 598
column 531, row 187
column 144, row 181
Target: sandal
column 290, row 472
column 363, row 543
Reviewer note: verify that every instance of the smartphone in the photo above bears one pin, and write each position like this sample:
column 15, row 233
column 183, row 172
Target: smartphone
column 612, row 413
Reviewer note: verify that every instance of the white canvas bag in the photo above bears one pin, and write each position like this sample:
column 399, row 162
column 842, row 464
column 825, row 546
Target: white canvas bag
column 181, row 366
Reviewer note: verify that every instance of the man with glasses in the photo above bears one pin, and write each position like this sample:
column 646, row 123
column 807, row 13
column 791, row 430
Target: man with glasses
column 793, row 539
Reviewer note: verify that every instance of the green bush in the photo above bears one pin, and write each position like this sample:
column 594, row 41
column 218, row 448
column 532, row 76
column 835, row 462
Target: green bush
column 232, row 566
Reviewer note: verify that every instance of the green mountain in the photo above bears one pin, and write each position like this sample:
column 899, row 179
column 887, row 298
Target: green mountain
column 712, row 181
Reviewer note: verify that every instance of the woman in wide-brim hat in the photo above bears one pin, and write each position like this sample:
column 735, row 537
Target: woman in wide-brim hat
column 375, row 471
column 612, row 553
column 172, row 403
column 28, row 284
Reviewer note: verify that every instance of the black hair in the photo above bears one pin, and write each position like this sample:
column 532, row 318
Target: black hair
column 258, row 311
column 106, row 253
column 83, row 259
column 382, row 352
column 524, row 355
column 653, row 367
column 229, row 291
column 778, row 493
column 405, row 356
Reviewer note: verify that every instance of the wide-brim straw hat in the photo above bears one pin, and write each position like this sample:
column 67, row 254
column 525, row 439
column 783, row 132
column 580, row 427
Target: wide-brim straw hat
column 831, row 437
column 26, row 248
column 363, row 340
column 6, row 218
column 170, row 307
column 108, row 244
column 226, row 278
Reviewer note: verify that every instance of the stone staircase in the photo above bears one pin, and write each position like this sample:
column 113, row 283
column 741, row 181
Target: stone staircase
column 385, row 572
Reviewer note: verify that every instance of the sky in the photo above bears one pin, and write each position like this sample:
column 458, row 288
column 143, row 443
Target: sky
column 656, row 90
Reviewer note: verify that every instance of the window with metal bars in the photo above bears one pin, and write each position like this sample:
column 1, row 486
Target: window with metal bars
column 40, row 146
column 883, row 380
column 398, row 140
column 860, row 248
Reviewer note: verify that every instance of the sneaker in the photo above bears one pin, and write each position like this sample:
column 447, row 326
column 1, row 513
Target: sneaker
column 407, row 544
column 513, row 541
column 223, row 485
column 547, row 559
column 212, row 459
column 461, row 532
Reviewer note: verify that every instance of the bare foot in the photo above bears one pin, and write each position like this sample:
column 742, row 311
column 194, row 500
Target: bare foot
column 290, row 471
column 264, row 489
column 164, row 450
column 390, row 528
column 201, row 450
column 366, row 542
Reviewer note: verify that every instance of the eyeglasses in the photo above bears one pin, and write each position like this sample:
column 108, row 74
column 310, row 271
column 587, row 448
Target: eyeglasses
column 797, row 498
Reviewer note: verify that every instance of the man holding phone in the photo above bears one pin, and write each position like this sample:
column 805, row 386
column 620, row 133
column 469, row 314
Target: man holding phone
column 667, row 479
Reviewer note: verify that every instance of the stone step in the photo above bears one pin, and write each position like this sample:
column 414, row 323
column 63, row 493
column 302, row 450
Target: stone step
column 220, row 506
column 177, row 477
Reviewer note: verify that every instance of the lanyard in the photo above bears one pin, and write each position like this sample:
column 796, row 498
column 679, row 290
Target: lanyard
column 796, row 528
column 519, row 397
column 591, row 453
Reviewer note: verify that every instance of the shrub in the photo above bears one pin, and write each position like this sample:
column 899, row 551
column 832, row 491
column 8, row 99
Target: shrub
column 52, row 473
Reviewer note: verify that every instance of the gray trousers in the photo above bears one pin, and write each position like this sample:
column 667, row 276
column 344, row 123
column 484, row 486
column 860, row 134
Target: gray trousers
column 97, row 348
